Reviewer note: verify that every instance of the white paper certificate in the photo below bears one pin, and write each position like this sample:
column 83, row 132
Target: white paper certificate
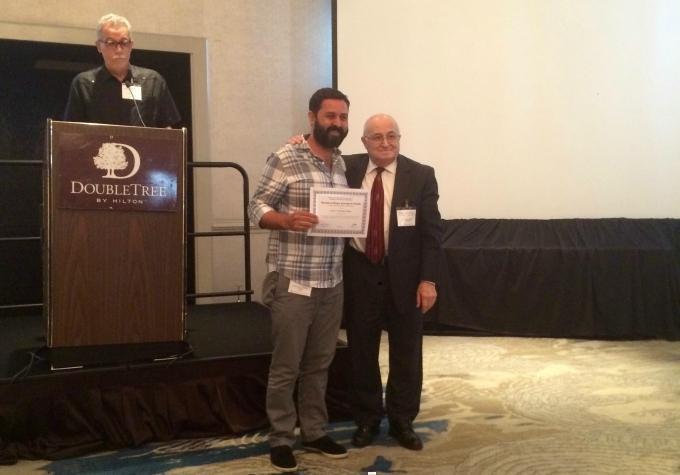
column 342, row 212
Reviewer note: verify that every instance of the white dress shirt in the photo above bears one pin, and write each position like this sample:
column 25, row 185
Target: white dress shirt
column 388, row 189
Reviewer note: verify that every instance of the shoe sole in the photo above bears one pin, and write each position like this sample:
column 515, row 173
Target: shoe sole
column 284, row 469
column 326, row 454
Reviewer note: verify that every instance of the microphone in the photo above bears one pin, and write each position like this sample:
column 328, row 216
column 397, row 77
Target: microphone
column 134, row 101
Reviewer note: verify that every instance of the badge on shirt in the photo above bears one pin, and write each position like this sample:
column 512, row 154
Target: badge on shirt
column 134, row 91
column 406, row 215
column 299, row 289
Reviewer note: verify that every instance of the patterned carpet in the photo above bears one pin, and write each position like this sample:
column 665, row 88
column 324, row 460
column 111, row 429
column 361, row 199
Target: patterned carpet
column 491, row 405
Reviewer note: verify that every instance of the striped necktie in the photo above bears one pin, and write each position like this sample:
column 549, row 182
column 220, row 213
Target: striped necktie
column 375, row 241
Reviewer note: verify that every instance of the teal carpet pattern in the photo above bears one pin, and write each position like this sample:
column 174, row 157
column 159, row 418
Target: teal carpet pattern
column 491, row 405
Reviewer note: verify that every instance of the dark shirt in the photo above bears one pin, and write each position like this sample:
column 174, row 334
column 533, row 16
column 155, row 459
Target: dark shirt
column 96, row 96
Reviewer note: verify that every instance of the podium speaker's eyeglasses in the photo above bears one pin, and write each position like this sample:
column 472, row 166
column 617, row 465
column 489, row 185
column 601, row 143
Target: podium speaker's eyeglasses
column 124, row 43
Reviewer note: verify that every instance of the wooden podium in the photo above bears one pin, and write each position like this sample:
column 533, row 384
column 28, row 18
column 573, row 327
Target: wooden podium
column 114, row 225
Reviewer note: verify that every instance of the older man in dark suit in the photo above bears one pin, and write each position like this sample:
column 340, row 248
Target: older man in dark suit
column 390, row 281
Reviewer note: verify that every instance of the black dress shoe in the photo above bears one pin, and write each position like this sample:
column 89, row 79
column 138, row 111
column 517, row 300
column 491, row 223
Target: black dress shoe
column 406, row 437
column 364, row 435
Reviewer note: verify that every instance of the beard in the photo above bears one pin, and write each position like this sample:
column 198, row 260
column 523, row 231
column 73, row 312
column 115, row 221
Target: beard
column 331, row 137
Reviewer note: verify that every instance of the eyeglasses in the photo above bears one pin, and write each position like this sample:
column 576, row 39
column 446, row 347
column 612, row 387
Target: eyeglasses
column 109, row 43
column 377, row 139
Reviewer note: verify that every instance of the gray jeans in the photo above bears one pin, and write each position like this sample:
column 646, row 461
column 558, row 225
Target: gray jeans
column 304, row 334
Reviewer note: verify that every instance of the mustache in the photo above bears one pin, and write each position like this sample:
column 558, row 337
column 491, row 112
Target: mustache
column 336, row 128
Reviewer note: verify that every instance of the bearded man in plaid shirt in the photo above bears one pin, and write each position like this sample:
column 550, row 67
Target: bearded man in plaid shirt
column 304, row 286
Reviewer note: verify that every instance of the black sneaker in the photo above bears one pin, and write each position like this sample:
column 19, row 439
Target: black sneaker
column 326, row 446
column 282, row 458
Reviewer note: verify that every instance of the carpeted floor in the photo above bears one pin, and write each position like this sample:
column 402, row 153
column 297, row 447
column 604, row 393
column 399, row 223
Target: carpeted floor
column 491, row 405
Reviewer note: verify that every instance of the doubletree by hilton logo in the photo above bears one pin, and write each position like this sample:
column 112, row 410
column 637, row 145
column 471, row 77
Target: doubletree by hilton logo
column 117, row 172
column 111, row 157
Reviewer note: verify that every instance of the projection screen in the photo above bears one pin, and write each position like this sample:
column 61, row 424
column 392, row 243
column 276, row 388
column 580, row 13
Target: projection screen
column 526, row 108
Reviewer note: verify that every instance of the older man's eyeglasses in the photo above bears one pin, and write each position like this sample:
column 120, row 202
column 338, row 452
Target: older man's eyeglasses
column 391, row 138
column 111, row 44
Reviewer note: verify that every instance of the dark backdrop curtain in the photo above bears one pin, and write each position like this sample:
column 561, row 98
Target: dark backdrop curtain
column 591, row 278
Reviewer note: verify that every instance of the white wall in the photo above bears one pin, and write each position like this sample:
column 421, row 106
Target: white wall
column 264, row 60
column 526, row 108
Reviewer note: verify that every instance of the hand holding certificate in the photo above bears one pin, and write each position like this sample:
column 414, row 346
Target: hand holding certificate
column 342, row 212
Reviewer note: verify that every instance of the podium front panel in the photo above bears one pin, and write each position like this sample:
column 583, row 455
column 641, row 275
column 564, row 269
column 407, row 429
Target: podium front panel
column 115, row 227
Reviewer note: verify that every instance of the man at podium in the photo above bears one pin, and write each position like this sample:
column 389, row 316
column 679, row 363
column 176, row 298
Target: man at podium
column 119, row 92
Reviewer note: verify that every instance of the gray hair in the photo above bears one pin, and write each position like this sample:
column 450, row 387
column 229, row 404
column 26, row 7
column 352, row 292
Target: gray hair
column 111, row 19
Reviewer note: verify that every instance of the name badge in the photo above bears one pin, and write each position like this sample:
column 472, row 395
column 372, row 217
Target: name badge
column 406, row 216
column 299, row 289
column 133, row 91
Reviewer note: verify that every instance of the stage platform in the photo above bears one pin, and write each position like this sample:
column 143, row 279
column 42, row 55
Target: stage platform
column 216, row 388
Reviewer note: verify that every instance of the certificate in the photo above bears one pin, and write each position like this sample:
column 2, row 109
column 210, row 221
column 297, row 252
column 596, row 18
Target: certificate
column 342, row 212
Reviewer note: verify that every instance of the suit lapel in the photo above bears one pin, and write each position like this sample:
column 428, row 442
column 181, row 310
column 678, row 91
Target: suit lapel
column 356, row 170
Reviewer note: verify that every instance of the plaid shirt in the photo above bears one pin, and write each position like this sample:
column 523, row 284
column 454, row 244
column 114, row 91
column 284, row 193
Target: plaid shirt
column 314, row 261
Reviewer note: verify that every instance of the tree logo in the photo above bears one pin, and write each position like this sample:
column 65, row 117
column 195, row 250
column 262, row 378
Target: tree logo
column 111, row 157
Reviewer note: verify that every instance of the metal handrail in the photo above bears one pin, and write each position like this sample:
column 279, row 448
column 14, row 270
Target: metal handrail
column 245, row 232
column 21, row 238
column 20, row 163
column 247, row 292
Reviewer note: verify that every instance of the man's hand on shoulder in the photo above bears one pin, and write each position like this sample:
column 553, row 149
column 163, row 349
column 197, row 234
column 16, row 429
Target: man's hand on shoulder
column 296, row 140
